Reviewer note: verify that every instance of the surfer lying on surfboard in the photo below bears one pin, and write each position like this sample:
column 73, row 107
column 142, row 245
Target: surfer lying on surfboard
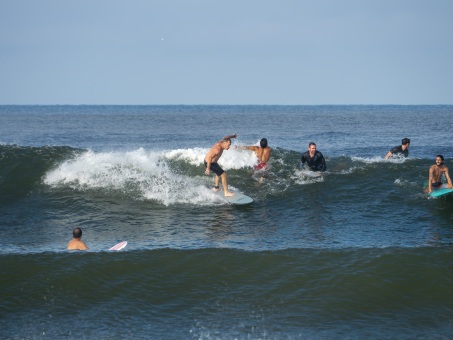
column 435, row 175
column 210, row 163
column 263, row 152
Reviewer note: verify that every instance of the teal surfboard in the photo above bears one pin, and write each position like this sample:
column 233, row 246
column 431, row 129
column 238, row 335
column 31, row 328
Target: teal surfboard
column 440, row 192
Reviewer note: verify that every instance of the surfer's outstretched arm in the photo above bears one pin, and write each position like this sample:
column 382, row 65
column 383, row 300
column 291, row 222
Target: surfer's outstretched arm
column 229, row 136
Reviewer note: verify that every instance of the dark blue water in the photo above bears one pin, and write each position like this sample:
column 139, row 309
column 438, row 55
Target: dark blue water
column 359, row 252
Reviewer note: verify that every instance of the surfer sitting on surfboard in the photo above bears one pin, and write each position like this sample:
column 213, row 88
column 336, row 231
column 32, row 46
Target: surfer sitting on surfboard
column 313, row 158
column 263, row 152
column 210, row 162
column 76, row 243
column 435, row 175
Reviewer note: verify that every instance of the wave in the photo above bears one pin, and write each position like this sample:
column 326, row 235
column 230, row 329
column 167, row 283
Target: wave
column 230, row 293
column 169, row 177
column 177, row 176
column 22, row 168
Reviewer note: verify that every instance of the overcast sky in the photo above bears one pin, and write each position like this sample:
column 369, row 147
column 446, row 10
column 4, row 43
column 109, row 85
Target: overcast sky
column 226, row 52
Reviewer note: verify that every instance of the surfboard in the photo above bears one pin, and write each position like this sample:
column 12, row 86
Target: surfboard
column 237, row 199
column 440, row 192
column 119, row 246
column 309, row 173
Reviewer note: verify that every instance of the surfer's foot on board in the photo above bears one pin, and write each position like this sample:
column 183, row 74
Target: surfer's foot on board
column 229, row 194
column 215, row 189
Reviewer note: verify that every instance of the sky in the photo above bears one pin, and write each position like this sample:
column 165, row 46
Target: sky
column 282, row 52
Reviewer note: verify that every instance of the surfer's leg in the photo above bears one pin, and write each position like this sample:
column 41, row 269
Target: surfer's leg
column 216, row 183
column 225, row 185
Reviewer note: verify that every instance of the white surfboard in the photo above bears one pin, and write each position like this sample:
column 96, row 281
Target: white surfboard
column 309, row 173
column 119, row 246
column 237, row 199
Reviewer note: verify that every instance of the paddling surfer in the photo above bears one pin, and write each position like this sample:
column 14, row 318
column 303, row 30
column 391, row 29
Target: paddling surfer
column 314, row 159
column 402, row 149
column 210, row 163
column 435, row 175
column 263, row 152
column 76, row 243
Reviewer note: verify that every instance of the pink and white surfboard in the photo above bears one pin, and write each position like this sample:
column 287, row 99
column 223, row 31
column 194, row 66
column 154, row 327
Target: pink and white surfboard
column 119, row 246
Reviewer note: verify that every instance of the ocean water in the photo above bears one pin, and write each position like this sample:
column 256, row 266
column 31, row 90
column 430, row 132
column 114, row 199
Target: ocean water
column 359, row 252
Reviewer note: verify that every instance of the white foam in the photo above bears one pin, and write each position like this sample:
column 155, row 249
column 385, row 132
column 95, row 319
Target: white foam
column 231, row 159
column 141, row 174
column 378, row 159
column 303, row 177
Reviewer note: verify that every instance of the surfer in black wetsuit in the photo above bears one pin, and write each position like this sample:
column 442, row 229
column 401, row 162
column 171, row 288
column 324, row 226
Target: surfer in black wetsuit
column 402, row 149
column 314, row 159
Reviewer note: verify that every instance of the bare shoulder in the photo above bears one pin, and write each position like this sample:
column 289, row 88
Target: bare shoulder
column 76, row 245
column 215, row 150
column 214, row 147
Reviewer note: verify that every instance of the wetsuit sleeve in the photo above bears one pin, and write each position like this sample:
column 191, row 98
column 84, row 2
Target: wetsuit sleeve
column 322, row 164
column 396, row 149
column 302, row 160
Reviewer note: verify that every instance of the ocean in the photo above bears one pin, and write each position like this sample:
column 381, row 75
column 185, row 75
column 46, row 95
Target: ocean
column 358, row 252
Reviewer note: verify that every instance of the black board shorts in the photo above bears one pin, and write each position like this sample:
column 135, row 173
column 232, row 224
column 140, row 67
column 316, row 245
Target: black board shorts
column 437, row 185
column 215, row 168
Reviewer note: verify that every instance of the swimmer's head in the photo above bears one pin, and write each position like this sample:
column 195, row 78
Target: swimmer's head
column 440, row 158
column 77, row 233
column 263, row 143
column 405, row 141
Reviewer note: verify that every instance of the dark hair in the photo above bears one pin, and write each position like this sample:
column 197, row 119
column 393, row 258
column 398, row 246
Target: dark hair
column 311, row 143
column 263, row 143
column 441, row 157
column 77, row 232
column 405, row 141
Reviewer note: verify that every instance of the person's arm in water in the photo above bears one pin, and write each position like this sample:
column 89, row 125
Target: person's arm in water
column 430, row 179
column 447, row 176
column 391, row 152
column 303, row 159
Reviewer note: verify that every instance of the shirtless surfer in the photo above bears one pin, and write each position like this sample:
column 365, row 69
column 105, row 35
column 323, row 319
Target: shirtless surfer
column 76, row 243
column 210, row 163
column 435, row 175
column 263, row 152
